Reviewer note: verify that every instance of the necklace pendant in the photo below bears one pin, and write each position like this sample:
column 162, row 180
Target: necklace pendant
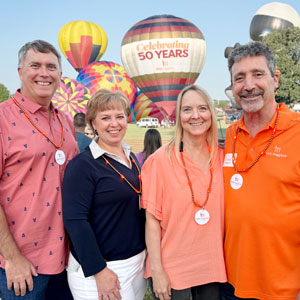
column 60, row 157
column 202, row 216
column 236, row 181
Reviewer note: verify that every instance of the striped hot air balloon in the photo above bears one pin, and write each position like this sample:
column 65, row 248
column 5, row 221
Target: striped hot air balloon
column 82, row 43
column 162, row 54
column 143, row 107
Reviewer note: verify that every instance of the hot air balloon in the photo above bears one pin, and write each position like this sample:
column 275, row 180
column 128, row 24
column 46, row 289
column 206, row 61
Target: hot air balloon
column 71, row 96
column 107, row 75
column 143, row 107
column 271, row 17
column 228, row 93
column 82, row 43
column 162, row 54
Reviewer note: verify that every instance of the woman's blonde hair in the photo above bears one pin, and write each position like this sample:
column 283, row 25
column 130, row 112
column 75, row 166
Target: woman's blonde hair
column 103, row 100
column 212, row 134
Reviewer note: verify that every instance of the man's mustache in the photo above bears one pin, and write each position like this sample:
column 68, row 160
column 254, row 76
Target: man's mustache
column 251, row 93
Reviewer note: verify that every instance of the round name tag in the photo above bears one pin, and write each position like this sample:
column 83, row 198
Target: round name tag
column 60, row 157
column 202, row 216
column 236, row 181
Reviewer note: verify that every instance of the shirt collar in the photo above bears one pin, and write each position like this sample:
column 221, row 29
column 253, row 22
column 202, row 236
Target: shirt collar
column 29, row 105
column 97, row 151
column 284, row 120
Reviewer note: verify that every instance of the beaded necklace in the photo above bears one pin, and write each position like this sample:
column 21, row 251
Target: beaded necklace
column 260, row 154
column 138, row 191
column 39, row 130
column 190, row 183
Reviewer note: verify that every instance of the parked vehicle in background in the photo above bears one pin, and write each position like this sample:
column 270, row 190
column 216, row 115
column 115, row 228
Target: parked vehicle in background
column 148, row 122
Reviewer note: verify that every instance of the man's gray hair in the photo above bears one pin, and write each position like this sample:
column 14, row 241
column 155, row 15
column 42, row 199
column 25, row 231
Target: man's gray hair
column 37, row 46
column 252, row 49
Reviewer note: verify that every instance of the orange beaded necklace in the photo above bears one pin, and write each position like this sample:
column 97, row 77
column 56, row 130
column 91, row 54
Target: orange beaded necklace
column 190, row 183
column 57, row 146
column 138, row 191
column 260, row 154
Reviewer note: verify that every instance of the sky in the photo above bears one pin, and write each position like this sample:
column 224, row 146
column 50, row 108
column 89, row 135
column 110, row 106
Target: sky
column 222, row 23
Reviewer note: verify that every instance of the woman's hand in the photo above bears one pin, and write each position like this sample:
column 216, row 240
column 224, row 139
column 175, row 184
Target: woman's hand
column 161, row 285
column 108, row 285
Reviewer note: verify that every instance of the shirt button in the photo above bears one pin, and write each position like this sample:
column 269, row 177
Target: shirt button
column 251, row 149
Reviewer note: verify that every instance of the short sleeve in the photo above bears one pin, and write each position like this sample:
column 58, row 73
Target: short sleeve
column 4, row 137
column 152, row 196
column 1, row 152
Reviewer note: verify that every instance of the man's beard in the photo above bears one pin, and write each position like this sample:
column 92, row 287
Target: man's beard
column 252, row 105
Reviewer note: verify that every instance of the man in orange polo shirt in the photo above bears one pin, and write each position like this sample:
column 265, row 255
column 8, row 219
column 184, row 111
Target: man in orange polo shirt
column 262, row 184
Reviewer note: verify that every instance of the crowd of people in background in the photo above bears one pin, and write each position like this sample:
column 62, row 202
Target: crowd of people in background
column 82, row 217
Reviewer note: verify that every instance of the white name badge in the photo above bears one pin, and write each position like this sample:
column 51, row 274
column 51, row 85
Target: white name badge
column 60, row 157
column 202, row 216
column 236, row 181
column 228, row 160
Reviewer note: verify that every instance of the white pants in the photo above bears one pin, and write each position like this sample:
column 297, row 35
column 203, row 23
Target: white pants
column 129, row 271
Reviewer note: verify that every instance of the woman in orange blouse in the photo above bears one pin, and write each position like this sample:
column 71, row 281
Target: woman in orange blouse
column 183, row 194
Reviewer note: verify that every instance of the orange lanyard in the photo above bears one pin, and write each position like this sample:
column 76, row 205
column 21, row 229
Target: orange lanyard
column 124, row 178
column 39, row 130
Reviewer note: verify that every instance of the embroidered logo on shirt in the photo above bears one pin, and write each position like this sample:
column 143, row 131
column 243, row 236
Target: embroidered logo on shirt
column 276, row 151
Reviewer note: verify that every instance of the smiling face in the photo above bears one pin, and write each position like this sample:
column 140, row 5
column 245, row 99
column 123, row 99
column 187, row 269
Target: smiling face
column 252, row 83
column 195, row 115
column 40, row 76
column 111, row 127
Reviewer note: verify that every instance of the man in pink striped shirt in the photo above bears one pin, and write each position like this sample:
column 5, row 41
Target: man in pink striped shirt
column 36, row 143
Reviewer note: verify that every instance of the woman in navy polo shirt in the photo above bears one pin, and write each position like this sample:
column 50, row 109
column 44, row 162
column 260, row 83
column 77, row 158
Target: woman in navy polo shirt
column 101, row 192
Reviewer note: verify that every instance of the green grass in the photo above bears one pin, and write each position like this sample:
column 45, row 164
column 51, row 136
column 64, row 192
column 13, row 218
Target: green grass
column 135, row 136
column 148, row 295
column 134, row 132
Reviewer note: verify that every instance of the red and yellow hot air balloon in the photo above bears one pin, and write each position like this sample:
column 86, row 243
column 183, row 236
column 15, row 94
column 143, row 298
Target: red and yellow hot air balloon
column 162, row 54
column 82, row 43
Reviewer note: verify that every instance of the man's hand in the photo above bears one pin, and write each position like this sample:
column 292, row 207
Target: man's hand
column 298, row 296
column 19, row 273
column 108, row 285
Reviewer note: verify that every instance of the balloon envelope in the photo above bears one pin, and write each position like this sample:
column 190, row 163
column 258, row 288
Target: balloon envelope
column 71, row 97
column 162, row 54
column 108, row 75
column 229, row 94
column 82, row 43
column 271, row 17
column 143, row 107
